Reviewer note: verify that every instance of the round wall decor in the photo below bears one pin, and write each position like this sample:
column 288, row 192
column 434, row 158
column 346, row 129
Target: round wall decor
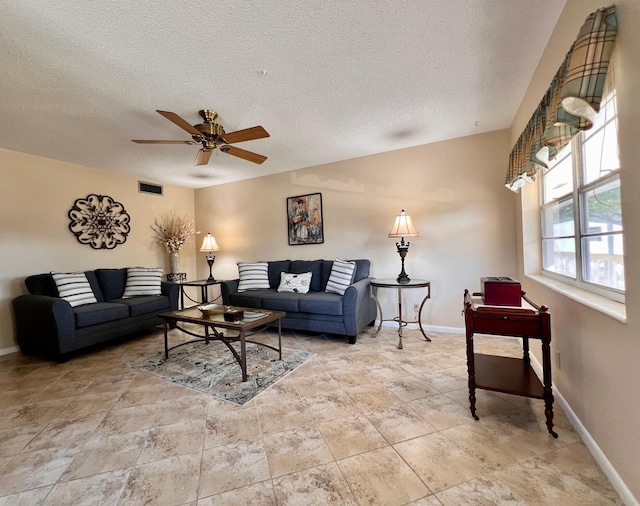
column 99, row 221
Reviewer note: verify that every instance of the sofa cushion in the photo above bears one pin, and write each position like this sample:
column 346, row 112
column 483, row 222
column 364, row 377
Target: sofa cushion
column 275, row 269
column 312, row 266
column 247, row 299
column 74, row 287
column 112, row 282
column 296, row 283
column 99, row 312
column 321, row 303
column 95, row 286
column 41, row 284
column 142, row 281
column 281, row 301
column 144, row 304
column 253, row 276
column 342, row 273
column 363, row 267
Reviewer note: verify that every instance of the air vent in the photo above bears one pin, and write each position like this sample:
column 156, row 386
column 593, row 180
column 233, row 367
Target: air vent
column 154, row 189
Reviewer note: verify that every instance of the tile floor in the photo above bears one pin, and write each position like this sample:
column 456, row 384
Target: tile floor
column 362, row 424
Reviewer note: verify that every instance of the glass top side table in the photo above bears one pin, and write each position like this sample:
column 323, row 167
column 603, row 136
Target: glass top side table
column 204, row 284
column 392, row 283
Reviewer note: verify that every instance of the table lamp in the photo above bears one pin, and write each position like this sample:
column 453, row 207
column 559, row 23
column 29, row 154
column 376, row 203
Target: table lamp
column 210, row 245
column 403, row 228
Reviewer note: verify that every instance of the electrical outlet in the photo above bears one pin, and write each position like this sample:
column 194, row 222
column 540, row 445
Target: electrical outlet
column 558, row 364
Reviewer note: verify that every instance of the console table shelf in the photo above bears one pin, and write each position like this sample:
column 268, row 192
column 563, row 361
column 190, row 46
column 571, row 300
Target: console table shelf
column 505, row 374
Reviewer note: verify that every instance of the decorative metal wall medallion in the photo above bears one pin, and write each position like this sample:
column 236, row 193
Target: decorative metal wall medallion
column 99, row 221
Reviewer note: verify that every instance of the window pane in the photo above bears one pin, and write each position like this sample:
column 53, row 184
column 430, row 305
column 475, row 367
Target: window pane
column 607, row 113
column 601, row 153
column 603, row 260
column 557, row 220
column 602, row 208
column 558, row 181
column 559, row 255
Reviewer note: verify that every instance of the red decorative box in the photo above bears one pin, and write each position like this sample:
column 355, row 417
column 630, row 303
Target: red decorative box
column 501, row 291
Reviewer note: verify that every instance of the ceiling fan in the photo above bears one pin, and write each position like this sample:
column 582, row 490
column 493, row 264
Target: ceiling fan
column 212, row 135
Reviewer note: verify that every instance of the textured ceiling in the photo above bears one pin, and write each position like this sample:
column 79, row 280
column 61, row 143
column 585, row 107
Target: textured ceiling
column 329, row 80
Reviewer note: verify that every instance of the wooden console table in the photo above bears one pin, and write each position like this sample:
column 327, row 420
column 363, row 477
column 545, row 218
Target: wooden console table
column 505, row 374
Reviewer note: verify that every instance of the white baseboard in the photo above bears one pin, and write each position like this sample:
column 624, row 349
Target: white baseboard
column 607, row 468
column 435, row 328
column 6, row 351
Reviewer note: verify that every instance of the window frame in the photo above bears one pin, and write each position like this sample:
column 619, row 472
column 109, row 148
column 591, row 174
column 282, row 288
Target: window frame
column 578, row 194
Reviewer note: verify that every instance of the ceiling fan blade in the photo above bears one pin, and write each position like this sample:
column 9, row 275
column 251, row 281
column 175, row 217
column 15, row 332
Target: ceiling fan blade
column 248, row 134
column 202, row 158
column 173, row 117
column 138, row 141
column 244, row 154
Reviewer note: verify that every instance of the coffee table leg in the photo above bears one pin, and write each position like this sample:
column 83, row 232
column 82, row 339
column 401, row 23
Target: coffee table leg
column 166, row 344
column 243, row 356
column 280, row 339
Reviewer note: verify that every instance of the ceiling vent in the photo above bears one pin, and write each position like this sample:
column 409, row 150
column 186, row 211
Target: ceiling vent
column 154, row 189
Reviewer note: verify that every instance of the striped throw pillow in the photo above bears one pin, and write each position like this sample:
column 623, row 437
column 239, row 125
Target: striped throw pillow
column 253, row 276
column 342, row 273
column 143, row 281
column 74, row 287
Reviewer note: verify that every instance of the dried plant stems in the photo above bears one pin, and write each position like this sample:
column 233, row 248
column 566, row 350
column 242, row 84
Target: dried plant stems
column 173, row 230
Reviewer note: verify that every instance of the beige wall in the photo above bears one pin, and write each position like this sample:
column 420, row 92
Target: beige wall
column 599, row 373
column 453, row 191
column 35, row 195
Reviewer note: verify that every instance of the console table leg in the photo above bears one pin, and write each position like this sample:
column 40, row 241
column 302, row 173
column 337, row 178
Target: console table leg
column 420, row 315
column 546, row 383
column 399, row 319
column 472, row 403
column 375, row 297
column 548, row 413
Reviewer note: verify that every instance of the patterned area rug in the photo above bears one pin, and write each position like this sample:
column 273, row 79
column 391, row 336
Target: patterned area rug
column 212, row 369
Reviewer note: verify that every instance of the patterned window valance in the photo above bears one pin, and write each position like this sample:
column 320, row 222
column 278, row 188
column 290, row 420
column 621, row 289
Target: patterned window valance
column 571, row 102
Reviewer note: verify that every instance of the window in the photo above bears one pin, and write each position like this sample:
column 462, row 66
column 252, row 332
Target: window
column 582, row 233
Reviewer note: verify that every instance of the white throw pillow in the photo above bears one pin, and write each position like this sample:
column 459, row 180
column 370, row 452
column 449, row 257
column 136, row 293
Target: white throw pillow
column 253, row 276
column 74, row 287
column 143, row 281
column 342, row 274
column 296, row 283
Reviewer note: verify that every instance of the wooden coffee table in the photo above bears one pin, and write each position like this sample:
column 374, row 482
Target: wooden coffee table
column 253, row 321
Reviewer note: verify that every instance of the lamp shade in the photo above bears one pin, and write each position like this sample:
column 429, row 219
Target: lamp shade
column 209, row 244
column 403, row 226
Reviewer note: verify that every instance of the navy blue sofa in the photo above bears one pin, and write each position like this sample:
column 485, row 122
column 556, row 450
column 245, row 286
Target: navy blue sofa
column 48, row 326
column 317, row 310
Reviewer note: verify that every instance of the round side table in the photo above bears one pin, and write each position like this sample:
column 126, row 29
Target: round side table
column 392, row 283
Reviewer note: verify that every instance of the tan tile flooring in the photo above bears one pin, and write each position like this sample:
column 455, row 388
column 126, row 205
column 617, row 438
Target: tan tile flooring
column 362, row 424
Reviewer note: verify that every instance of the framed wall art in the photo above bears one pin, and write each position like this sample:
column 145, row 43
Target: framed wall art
column 99, row 221
column 304, row 219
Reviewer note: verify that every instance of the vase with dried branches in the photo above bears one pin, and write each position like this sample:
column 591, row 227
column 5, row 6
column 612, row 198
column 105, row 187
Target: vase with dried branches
column 172, row 230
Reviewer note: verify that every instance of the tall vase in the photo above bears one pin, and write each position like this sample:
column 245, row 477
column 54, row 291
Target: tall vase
column 174, row 262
